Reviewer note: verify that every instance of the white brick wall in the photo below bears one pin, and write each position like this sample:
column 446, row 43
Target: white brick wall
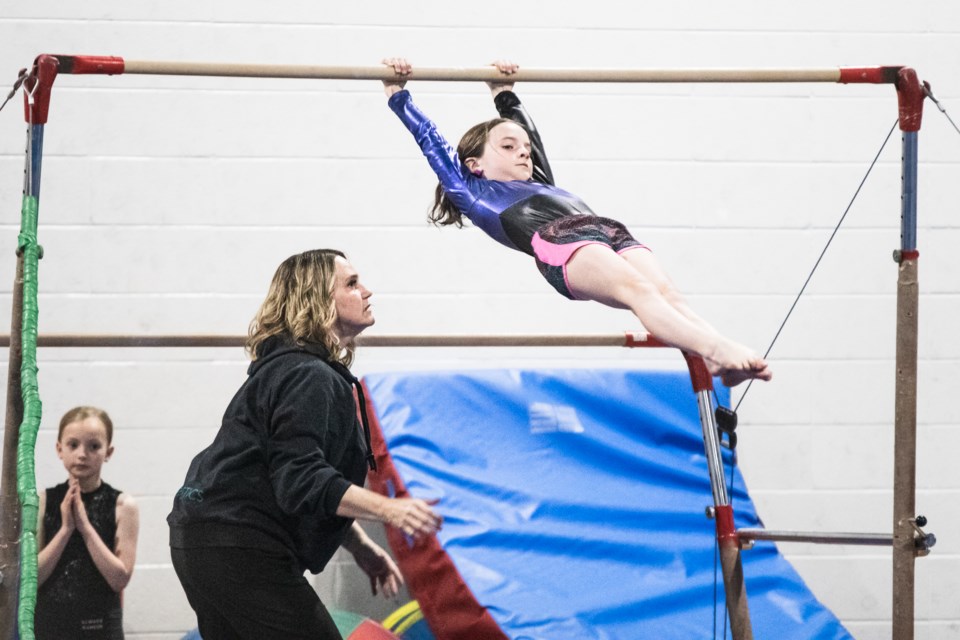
column 167, row 202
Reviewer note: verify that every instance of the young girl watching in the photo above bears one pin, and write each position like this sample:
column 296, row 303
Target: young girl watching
column 499, row 179
column 88, row 537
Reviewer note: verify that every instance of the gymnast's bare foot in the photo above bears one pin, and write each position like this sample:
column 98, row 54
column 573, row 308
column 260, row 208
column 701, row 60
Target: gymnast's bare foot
column 735, row 363
column 732, row 378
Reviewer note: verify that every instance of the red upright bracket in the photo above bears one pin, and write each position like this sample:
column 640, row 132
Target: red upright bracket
column 910, row 95
column 39, row 83
column 699, row 375
column 37, row 89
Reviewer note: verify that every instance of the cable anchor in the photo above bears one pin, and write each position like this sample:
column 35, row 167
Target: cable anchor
column 726, row 424
column 922, row 541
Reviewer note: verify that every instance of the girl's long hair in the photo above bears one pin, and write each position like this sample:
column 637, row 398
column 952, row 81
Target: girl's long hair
column 471, row 145
column 300, row 303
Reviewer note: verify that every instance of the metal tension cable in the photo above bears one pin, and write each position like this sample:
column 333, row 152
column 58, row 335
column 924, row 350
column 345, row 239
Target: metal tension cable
column 16, row 85
column 929, row 93
column 726, row 418
column 727, row 413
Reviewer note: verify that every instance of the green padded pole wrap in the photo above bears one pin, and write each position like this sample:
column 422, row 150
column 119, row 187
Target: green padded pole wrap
column 26, row 446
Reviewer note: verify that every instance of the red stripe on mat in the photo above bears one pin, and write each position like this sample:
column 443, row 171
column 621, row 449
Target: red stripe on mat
column 448, row 605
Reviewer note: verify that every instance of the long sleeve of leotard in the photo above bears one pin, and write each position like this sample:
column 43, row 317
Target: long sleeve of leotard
column 480, row 200
column 509, row 106
column 440, row 155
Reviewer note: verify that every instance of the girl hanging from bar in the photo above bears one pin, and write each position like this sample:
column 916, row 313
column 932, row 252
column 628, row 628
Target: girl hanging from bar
column 500, row 180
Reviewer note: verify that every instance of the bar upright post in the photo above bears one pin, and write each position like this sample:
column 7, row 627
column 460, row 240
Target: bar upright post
column 910, row 96
column 728, row 541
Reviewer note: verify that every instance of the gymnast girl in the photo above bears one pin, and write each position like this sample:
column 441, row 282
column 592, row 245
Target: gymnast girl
column 499, row 179
column 88, row 536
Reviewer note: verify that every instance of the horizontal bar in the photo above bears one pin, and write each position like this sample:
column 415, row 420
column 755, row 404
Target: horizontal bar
column 114, row 65
column 628, row 339
column 869, row 539
column 484, row 73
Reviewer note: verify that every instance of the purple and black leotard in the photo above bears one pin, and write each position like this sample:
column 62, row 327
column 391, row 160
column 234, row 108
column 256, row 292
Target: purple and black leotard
column 533, row 216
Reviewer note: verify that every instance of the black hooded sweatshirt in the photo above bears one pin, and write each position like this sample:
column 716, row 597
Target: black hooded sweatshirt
column 289, row 447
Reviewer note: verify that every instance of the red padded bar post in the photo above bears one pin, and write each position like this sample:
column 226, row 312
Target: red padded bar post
column 103, row 65
column 869, row 75
column 699, row 376
column 40, row 85
column 910, row 95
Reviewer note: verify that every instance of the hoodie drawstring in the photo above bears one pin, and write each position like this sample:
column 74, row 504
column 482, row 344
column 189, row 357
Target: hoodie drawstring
column 371, row 462
column 362, row 401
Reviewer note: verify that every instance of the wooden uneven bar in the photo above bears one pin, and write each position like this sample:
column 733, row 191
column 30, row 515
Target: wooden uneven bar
column 454, row 74
column 630, row 339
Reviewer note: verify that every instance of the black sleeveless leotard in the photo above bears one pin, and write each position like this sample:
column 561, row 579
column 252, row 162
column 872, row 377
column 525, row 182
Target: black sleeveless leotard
column 75, row 601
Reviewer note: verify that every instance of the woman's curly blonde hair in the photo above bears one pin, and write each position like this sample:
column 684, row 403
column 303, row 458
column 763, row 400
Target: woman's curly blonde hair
column 300, row 303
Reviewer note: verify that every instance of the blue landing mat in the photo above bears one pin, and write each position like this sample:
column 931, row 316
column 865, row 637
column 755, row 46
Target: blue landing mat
column 574, row 504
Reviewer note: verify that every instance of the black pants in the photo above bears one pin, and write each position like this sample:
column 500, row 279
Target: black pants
column 66, row 623
column 241, row 594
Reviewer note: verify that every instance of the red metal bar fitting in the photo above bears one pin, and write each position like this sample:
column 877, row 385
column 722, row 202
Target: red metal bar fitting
column 39, row 85
column 910, row 95
column 103, row 65
column 869, row 75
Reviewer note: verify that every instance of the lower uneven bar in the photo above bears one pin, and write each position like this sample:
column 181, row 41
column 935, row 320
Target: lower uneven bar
column 867, row 539
column 628, row 339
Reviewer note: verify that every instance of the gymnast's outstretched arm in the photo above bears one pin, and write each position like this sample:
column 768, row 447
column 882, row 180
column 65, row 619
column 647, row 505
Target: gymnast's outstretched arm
column 509, row 106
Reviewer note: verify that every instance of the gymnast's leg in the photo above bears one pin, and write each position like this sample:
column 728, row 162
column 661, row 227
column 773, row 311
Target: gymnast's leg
column 596, row 272
column 643, row 260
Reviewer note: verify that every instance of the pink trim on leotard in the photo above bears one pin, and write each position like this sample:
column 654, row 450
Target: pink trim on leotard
column 556, row 255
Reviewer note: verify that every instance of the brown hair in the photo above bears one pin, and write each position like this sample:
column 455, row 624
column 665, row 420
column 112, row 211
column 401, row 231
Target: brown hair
column 78, row 414
column 471, row 145
column 300, row 302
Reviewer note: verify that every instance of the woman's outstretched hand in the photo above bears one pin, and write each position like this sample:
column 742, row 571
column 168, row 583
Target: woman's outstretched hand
column 401, row 67
column 507, row 68
column 414, row 518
